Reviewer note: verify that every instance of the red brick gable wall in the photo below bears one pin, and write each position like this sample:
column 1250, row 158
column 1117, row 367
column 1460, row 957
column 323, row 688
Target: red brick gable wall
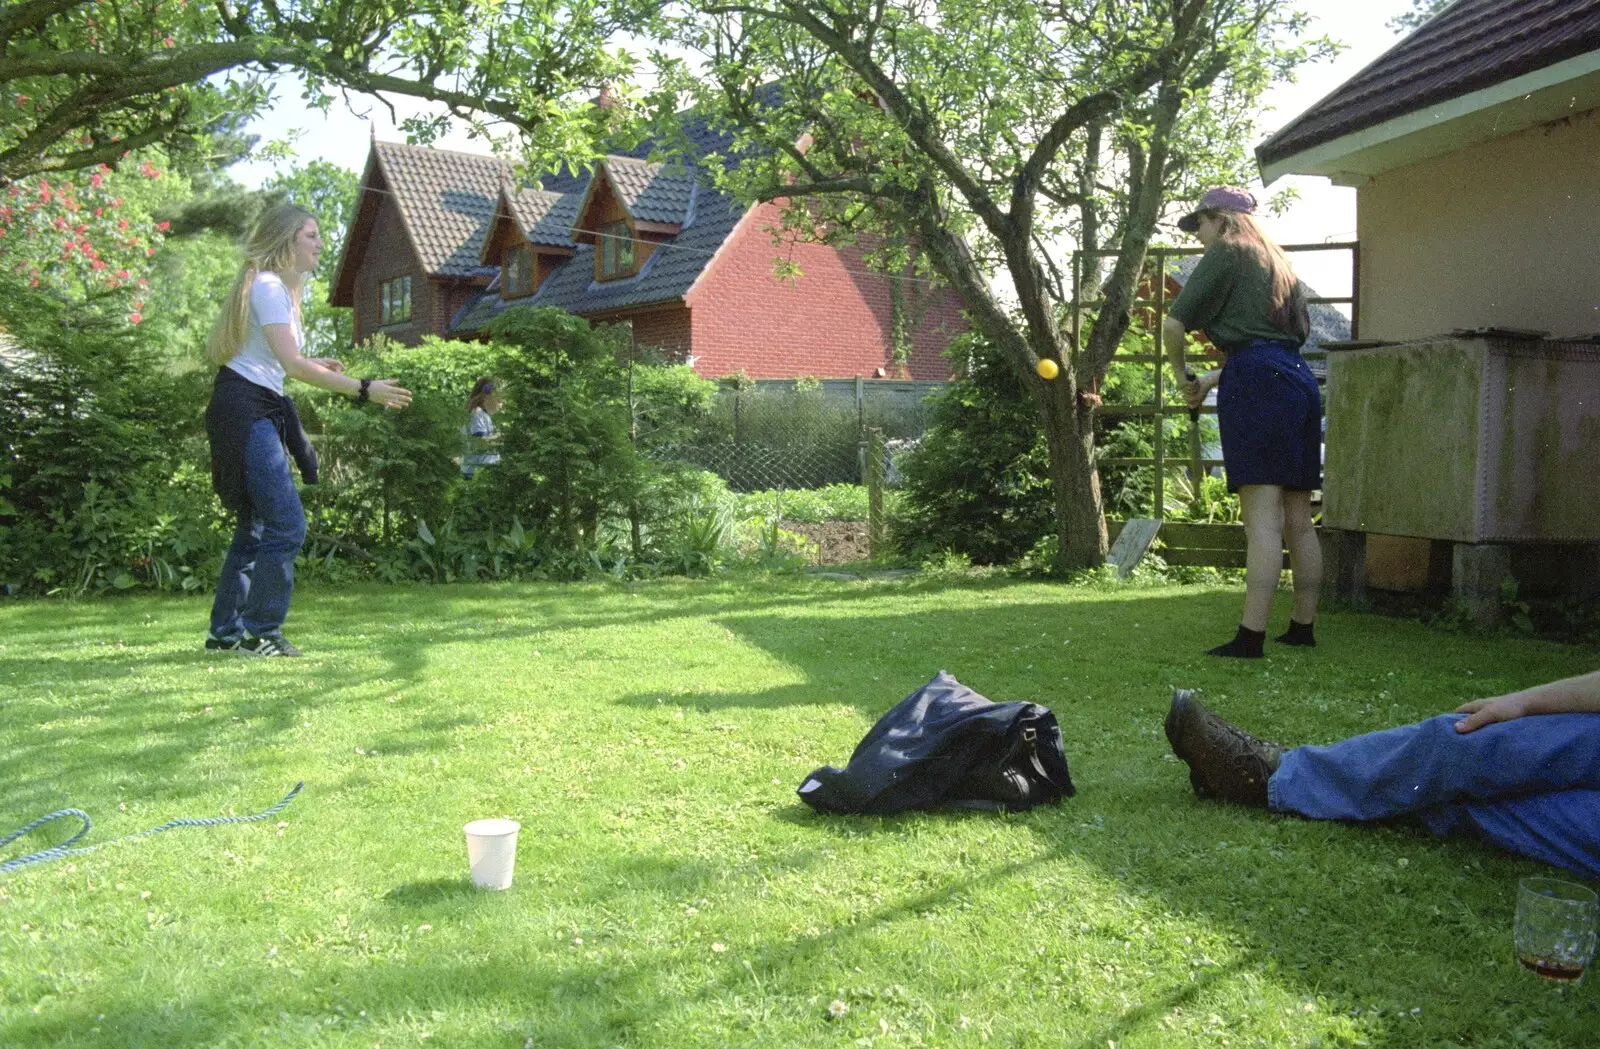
column 386, row 255
column 833, row 321
column 667, row 330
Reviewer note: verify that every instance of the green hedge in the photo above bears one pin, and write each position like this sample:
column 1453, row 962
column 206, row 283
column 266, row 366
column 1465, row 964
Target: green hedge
column 105, row 473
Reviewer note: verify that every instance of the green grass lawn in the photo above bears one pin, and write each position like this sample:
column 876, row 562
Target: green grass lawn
column 671, row 889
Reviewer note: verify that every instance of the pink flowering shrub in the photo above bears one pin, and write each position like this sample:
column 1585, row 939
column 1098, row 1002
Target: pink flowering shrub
column 78, row 234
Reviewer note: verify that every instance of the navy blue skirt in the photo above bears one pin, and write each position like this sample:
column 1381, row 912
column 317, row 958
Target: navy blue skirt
column 1270, row 413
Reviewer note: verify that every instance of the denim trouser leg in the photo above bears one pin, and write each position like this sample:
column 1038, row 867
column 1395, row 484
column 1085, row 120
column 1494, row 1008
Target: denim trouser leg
column 233, row 587
column 281, row 524
column 1561, row 827
column 1525, row 784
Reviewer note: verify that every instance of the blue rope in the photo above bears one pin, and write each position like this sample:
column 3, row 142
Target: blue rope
column 65, row 848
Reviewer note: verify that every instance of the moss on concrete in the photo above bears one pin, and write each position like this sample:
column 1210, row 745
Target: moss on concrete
column 1403, row 439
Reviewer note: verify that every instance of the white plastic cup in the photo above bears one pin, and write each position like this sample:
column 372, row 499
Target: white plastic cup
column 492, row 852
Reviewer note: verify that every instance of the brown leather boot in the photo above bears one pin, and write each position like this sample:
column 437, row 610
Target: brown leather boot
column 1224, row 762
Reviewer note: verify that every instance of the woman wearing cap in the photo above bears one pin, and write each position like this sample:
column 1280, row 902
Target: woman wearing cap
column 1244, row 294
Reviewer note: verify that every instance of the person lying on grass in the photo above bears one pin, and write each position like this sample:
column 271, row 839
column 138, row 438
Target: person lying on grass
column 1521, row 770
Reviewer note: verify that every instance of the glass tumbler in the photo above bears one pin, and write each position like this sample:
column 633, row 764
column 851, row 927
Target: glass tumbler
column 1555, row 929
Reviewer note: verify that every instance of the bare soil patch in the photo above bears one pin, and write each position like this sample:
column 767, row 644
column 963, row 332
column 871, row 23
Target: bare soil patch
column 839, row 542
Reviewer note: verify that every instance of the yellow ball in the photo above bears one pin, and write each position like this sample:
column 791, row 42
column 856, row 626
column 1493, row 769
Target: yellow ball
column 1047, row 368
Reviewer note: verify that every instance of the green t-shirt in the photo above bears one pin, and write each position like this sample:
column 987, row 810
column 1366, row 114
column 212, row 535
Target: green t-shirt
column 1229, row 296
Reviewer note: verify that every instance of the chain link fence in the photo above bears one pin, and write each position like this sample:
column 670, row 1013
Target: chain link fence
column 799, row 433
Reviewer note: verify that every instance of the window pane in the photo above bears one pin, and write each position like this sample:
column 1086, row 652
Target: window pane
column 383, row 298
column 405, row 283
column 519, row 270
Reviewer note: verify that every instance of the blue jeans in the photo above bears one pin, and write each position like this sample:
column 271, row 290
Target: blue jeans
column 258, row 573
column 1531, row 785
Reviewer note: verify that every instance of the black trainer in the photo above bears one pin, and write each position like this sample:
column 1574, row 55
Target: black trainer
column 220, row 644
column 268, row 645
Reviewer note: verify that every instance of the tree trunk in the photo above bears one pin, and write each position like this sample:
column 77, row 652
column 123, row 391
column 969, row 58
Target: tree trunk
column 1074, row 480
column 1068, row 422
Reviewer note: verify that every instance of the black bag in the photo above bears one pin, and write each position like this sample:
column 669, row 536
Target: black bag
column 946, row 746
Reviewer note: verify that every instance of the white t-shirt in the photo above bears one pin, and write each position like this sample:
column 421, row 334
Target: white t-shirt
column 479, row 424
column 478, row 452
column 269, row 304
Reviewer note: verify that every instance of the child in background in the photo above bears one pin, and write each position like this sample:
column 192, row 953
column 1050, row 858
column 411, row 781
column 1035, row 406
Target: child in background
column 482, row 403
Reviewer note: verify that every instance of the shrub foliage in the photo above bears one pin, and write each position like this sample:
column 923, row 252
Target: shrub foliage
column 105, row 475
column 979, row 484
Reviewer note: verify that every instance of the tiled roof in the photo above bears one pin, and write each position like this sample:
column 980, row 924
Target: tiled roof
column 1471, row 45
column 546, row 217
column 447, row 201
column 665, row 277
column 707, row 217
column 652, row 192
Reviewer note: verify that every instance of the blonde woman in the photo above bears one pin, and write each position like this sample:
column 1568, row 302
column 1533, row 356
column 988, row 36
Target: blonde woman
column 1245, row 295
column 253, row 429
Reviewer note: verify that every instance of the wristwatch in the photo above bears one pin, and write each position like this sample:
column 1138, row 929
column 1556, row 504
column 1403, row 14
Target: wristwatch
column 362, row 396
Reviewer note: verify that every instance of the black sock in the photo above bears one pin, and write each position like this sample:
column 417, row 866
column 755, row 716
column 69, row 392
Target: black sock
column 1298, row 634
column 1246, row 644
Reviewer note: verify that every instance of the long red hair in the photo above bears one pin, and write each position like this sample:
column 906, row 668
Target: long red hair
column 1288, row 308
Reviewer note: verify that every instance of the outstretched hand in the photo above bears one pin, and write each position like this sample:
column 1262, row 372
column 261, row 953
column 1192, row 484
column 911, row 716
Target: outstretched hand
column 1487, row 711
column 387, row 393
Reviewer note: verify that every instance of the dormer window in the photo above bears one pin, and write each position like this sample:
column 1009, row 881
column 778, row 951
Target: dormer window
column 616, row 250
column 517, row 272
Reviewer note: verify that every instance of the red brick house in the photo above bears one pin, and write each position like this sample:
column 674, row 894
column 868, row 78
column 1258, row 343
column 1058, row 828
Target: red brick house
column 443, row 241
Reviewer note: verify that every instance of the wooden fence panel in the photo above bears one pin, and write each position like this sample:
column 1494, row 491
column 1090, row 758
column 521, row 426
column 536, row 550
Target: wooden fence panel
column 1205, row 545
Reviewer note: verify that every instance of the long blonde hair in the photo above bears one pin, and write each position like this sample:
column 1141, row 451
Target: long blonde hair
column 1241, row 229
column 269, row 248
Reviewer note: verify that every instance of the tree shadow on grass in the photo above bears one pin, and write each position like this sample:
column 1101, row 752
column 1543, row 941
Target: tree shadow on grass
column 186, row 702
column 1381, row 920
column 1318, row 908
column 355, row 620
column 160, row 747
column 587, row 994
